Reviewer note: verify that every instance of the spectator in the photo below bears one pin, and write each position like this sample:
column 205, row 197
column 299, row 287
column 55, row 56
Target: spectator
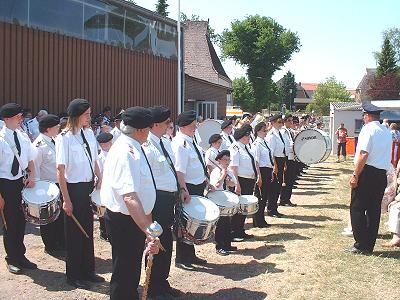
column 33, row 125
column 341, row 133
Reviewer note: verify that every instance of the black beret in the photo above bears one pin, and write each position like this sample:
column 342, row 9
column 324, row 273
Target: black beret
column 222, row 154
column 247, row 116
column 138, row 117
column 242, row 131
column 10, row 110
column 214, row 138
column 186, row 118
column 371, row 109
column 259, row 126
column 77, row 107
column 49, row 121
column 160, row 113
column 226, row 123
column 104, row 137
column 274, row 118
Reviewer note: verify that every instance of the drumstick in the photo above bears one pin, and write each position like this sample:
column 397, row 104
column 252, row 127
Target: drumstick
column 79, row 225
column 4, row 219
column 283, row 175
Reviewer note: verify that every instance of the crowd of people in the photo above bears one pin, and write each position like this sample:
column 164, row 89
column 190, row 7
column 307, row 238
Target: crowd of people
column 144, row 171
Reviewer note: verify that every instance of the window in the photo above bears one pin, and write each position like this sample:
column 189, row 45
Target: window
column 94, row 23
column 116, row 29
column 163, row 39
column 358, row 125
column 207, row 109
column 13, row 11
column 137, row 32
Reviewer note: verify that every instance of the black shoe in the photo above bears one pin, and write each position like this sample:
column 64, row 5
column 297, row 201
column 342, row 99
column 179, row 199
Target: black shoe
column 274, row 214
column 289, row 203
column 263, row 225
column 199, row 261
column 355, row 250
column 185, row 266
column 222, row 252
column 80, row 284
column 231, row 248
column 13, row 268
column 94, row 278
column 26, row 264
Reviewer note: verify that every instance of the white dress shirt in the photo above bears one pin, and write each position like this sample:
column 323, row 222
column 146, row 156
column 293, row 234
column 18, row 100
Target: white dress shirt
column 126, row 171
column 70, row 152
column 45, row 161
column 116, row 133
column 375, row 139
column 33, row 128
column 275, row 142
column 227, row 140
column 241, row 159
column 262, row 152
column 211, row 154
column 28, row 153
column 287, row 137
column 102, row 159
column 2, row 124
column 215, row 176
column 187, row 160
column 162, row 172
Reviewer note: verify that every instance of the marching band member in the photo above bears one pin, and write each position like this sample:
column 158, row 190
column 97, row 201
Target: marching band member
column 46, row 169
column 105, row 140
column 291, row 166
column 192, row 176
column 76, row 158
column 276, row 142
column 215, row 142
column 265, row 158
column 129, row 194
column 223, row 179
column 245, row 169
column 226, row 134
column 161, row 158
column 16, row 155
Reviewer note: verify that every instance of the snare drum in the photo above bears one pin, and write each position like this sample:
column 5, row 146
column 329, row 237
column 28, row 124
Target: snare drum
column 41, row 204
column 248, row 205
column 227, row 202
column 98, row 209
column 312, row 146
column 198, row 219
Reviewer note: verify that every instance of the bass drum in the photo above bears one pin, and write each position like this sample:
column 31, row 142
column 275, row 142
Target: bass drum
column 207, row 129
column 312, row 146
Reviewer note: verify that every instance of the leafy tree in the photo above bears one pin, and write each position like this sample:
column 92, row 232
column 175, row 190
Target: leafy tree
column 329, row 91
column 243, row 94
column 393, row 35
column 211, row 31
column 386, row 87
column 387, row 60
column 261, row 45
column 288, row 88
column 161, row 7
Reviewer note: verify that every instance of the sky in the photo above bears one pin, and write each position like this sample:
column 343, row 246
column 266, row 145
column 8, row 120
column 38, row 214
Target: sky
column 338, row 37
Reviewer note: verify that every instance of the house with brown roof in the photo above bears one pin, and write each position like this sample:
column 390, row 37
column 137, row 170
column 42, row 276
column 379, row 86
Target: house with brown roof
column 207, row 86
column 304, row 94
column 365, row 85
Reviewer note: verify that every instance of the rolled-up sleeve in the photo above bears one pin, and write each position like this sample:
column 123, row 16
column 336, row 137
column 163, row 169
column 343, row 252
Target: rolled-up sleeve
column 181, row 159
column 61, row 151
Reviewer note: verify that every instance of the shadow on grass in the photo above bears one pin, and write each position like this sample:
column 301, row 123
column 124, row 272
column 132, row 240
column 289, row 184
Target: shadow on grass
column 385, row 236
column 231, row 294
column 262, row 251
column 325, row 206
column 387, row 254
column 345, row 171
column 32, row 229
column 298, row 226
column 312, row 218
column 309, row 193
column 284, row 236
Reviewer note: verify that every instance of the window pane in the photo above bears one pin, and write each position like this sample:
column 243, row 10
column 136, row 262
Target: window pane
column 62, row 16
column 95, row 24
column 137, row 32
column 116, row 29
column 14, row 11
column 164, row 40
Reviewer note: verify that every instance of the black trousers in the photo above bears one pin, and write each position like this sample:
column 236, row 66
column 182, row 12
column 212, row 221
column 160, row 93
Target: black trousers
column 184, row 252
column 365, row 207
column 127, row 242
column 263, row 199
column 276, row 185
column 290, row 176
column 341, row 146
column 80, row 250
column 13, row 237
column 53, row 234
column 223, row 236
column 163, row 213
column 247, row 186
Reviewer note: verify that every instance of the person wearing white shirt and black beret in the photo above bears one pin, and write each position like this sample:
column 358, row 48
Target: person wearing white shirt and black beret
column 46, row 169
column 246, row 170
column 226, row 134
column 76, row 158
column 368, row 182
column 128, row 193
column 192, row 176
column 12, row 171
column 215, row 142
column 116, row 132
column 159, row 153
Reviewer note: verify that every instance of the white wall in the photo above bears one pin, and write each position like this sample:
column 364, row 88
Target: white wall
column 346, row 117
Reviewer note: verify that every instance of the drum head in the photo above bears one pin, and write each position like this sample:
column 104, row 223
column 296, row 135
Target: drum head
column 43, row 192
column 312, row 146
column 207, row 129
column 248, row 199
column 96, row 197
column 224, row 198
column 201, row 208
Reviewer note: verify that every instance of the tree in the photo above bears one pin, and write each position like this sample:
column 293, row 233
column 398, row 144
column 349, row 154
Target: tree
column 243, row 94
column 385, row 87
column 288, row 89
column 161, row 7
column 261, row 45
column 210, row 31
column 387, row 60
column 329, row 91
column 393, row 35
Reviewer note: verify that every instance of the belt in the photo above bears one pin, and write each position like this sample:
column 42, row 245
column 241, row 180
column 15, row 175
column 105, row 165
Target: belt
column 176, row 193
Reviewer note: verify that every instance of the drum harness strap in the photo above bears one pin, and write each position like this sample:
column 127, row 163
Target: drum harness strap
column 15, row 151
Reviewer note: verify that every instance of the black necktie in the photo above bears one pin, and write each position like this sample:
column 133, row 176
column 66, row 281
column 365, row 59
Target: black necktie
column 269, row 153
column 87, row 145
column 54, row 143
column 201, row 159
column 280, row 135
column 151, row 172
column 169, row 160
column 253, row 164
column 230, row 138
column 15, row 164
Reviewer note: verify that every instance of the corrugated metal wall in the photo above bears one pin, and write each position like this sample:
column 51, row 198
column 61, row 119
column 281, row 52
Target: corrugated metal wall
column 45, row 70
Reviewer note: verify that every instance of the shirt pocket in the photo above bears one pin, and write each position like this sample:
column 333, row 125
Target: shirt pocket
column 77, row 154
column 145, row 175
column 159, row 167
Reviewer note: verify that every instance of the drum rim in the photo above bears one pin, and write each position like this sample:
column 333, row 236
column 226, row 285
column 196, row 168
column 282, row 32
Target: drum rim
column 23, row 193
